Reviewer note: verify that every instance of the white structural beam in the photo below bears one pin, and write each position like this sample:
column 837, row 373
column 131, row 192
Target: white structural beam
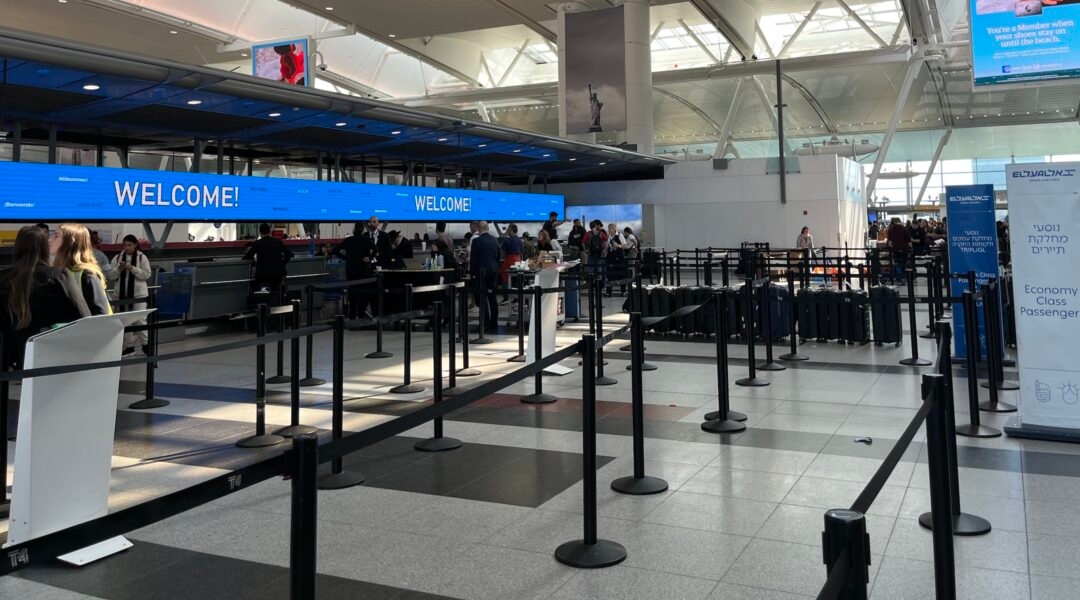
column 524, row 19
column 770, row 108
column 717, row 128
column 854, row 15
column 700, row 43
column 764, row 41
column 513, row 63
column 933, row 164
column 914, row 66
column 729, row 121
column 726, row 29
column 798, row 30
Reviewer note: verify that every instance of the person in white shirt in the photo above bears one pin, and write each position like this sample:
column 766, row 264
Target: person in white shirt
column 133, row 271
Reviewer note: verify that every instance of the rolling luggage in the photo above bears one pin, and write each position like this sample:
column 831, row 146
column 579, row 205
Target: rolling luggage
column 684, row 296
column 885, row 315
column 705, row 319
column 729, row 296
column 808, row 299
column 854, row 317
column 829, row 315
column 779, row 319
column 661, row 303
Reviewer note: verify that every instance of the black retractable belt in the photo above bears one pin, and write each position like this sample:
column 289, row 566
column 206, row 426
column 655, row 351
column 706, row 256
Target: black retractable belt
column 309, row 379
column 601, row 379
column 463, row 327
column 149, row 401
column 994, row 370
column 279, row 327
column 261, row 439
column 974, row 428
column 338, row 478
column 407, row 386
column 638, row 484
column 295, row 428
column 437, row 443
column 752, row 379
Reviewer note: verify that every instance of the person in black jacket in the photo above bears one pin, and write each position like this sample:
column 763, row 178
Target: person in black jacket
column 270, row 255
column 484, row 268
column 33, row 296
column 363, row 252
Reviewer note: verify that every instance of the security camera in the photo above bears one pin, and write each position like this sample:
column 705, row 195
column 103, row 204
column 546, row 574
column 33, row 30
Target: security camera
column 321, row 66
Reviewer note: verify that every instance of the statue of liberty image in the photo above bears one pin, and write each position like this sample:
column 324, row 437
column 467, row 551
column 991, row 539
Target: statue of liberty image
column 595, row 105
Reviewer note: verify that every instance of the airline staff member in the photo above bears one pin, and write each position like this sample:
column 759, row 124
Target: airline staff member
column 270, row 255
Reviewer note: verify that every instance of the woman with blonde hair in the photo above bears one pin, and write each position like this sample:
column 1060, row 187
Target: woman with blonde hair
column 74, row 254
column 33, row 296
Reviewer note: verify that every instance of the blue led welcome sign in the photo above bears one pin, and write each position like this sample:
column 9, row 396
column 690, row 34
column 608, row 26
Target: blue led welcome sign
column 39, row 192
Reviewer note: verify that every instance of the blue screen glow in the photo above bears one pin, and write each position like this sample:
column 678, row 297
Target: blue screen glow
column 50, row 193
column 1017, row 41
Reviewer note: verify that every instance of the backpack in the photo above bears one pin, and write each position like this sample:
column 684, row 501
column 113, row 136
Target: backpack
column 596, row 244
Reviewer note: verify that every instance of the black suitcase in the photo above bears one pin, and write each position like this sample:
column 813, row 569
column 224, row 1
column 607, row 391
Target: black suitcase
column 854, row 317
column 744, row 312
column 661, row 303
column 829, row 315
column 684, row 296
column 779, row 317
column 885, row 315
column 806, row 304
column 730, row 298
column 705, row 319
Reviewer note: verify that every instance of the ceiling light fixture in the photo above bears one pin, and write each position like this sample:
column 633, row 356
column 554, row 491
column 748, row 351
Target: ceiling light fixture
column 572, row 159
column 517, row 151
column 482, row 146
column 275, row 114
column 342, row 124
column 194, row 102
column 395, row 132
column 91, row 87
column 174, row 32
column 330, row 8
column 603, row 163
column 393, row 35
column 244, row 54
column 546, row 155
column 442, row 139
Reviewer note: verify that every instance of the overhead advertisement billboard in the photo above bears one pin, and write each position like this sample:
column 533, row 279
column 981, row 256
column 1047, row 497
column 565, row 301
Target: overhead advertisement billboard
column 596, row 71
column 287, row 61
column 1023, row 41
column 49, row 193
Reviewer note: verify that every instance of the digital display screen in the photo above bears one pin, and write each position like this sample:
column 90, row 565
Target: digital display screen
column 622, row 215
column 284, row 61
column 34, row 192
column 1021, row 41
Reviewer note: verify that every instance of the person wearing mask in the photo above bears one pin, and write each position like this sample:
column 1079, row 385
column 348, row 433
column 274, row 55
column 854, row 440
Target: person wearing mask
column 551, row 226
column 361, row 254
column 134, row 271
column 595, row 242
column 573, row 241
column 102, row 260
column 33, row 295
column 513, row 249
column 270, row 256
column 899, row 246
column 73, row 253
column 484, row 268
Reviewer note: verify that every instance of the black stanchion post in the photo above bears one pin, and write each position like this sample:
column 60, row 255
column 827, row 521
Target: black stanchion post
column 933, row 386
column 931, row 291
column 794, row 355
column 752, row 379
column 379, row 309
column 766, row 329
column 974, row 428
column 463, row 327
column 309, row 379
column 724, row 420
column 5, row 391
column 437, row 443
column 481, row 306
column 993, row 351
column 407, row 386
column 645, row 366
column 148, row 401
column 601, row 379
column 725, row 277
column 590, row 552
column 538, row 396
column 521, row 319
column 451, row 312
column 261, row 439
column 295, row 428
column 846, row 530
column 338, row 478
column 638, row 484
column 963, row 523
column 303, row 547
column 994, row 337
column 279, row 327
column 914, row 360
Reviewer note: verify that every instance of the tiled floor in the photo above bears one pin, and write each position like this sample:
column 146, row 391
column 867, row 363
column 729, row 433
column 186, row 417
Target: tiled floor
column 741, row 520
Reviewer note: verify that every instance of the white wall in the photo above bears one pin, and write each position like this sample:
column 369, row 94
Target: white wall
column 697, row 206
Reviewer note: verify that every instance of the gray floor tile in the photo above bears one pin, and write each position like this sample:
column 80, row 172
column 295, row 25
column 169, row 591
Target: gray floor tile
column 1052, row 487
column 704, row 554
column 849, row 468
column 457, row 519
column 904, row 579
column 780, row 566
column 712, row 513
column 999, row 550
column 1053, row 555
column 752, row 485
column 1052, row 588
column 984, row 482
column 488, row 573
column 833, row 493
column 1003, row 513
column 730, row 591
column 22, row 589
column 803, row 525
column 627, row 583
column 1058, row 518
column 763, row 459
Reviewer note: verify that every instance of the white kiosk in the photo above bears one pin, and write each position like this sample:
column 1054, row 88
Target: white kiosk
column 550, row 305
column 63, row 455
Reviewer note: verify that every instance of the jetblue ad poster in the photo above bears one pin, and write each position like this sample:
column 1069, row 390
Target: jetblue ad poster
column 1020, row 41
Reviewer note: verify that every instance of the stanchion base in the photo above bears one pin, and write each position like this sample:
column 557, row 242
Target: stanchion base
column 411, row 388
column 276, row 379
column 794, row 357
column 982, row 431
column 261, row 441
column 963, row 524
column 771, row 366
column 604, row 553
column 148, row 404
column 468, row 372
column 731, row 416
column 538, row 399
column 629, row 348
column 312, row 382
column 482, row 341
column 340, row 481
column 929, row 335
column 581, row 363
column 639, row 487
column 605, row 380
column 644, row 367
column 518, row 358
column 916, row 362
column 996, row 407
column 443, row 444
column 718, row 426
column 1004, row 386
column 295, row 430
column 379, row 354
column 752, row 382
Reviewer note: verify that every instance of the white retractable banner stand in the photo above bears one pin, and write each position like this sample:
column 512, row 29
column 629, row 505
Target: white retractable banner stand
column 63, row 455
column 549, row 308
column 1044, row 208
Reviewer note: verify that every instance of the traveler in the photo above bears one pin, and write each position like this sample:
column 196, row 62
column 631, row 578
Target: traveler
column 484, row 268
column 633, row 245
column 440, row 234
column 361, row 253
column 33, row 294
column 513, row 249
column 918, row 238
column 616, row 257
column 805, row 240
column 101, row 259
column 73, row 252
column 899, row 246
column 270, row 255
column 133, row 270
column 551, row 226
column 873, row 232
column 544, row 242
column 401, row 249
column 573, row 241
column 595, row 242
